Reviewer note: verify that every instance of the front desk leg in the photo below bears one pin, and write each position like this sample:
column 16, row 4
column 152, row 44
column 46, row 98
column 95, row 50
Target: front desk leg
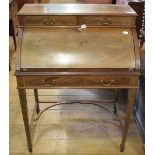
column 131, row 100
column 23, row 103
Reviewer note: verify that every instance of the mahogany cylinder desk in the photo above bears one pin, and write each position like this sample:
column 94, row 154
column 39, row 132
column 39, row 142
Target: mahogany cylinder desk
column 79, row 46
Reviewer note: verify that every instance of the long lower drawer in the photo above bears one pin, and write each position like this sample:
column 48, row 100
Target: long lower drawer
column 76, row 81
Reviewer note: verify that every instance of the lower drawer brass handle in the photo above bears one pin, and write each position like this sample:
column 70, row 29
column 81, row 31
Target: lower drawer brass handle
column 47, row 83
column 107, row 82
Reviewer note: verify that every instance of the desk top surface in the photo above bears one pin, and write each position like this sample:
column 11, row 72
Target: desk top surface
column 77, row 9
column 69, row 48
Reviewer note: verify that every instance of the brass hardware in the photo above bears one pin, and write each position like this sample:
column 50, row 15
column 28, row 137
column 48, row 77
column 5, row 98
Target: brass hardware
column 52, row 21
column 48, row 83
column 105, row 21
column 106, row 82
column 49, row 21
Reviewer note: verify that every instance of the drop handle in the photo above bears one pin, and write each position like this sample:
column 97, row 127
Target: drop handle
column 106, row 82
column 47, row 83
column 49, row 21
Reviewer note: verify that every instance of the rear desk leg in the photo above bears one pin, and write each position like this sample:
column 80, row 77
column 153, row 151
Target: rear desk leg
column 36, row 100
column 116, row 101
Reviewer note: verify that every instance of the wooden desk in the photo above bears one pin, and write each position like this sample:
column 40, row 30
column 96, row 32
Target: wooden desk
column 55, row 51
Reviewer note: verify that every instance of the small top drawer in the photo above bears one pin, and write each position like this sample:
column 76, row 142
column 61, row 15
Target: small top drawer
column 47, row 20
column 106, row 20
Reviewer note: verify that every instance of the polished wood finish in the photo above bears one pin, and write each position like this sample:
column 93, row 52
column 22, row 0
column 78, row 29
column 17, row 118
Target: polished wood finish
column 23, row 101
column 70, row 126
column 79, row 56
column 77, row 9
column 73, row 20
column 48, row 20
column 75, row 49
column 110, row 20
column 76, row 81
column 131, row 98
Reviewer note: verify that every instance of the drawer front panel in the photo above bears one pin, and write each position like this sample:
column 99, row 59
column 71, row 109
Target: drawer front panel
column 76, row 81
column 48, row 20
column 106, row 20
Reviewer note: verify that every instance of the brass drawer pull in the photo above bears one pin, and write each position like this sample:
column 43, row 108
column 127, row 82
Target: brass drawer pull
column 107, row 82
column 47, row 83
column 49, row 21
column 105, row 21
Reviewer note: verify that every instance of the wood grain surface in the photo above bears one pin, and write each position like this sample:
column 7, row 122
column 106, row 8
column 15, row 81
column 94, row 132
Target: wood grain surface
column 77, row 9
column 69, row 48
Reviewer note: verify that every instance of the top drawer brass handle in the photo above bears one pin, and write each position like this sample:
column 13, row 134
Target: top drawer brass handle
column 47, row 83
column 105, row 21
column 49, row 21
column 107, row 83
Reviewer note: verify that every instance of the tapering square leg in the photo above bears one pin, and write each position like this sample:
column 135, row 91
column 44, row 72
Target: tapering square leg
column 131, row 100
column 24, row 108
column 116, row 101
column 36, row 100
